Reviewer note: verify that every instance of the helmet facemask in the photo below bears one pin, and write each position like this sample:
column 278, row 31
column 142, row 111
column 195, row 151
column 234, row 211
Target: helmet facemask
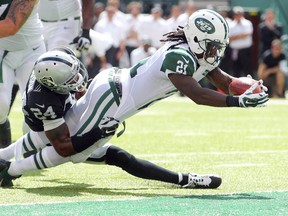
column 213, row 51
column 78, row 82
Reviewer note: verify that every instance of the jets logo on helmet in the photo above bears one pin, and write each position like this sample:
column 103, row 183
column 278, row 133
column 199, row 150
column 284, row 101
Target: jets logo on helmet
column 204, row 25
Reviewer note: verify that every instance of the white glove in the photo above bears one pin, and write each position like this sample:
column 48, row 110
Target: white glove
column 264, row 88
column 248, row 99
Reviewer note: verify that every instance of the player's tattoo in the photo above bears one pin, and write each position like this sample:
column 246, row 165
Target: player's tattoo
column 22, row 8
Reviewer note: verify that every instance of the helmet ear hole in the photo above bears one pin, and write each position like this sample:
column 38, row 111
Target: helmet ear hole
column 195, row 39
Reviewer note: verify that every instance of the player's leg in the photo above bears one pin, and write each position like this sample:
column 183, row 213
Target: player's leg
column 6, row 85
column 116, row 156
column 32, row 141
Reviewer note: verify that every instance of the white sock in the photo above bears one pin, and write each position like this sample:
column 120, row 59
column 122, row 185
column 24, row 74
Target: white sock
column 8, row 152
column 180, row 177
column 45, row 158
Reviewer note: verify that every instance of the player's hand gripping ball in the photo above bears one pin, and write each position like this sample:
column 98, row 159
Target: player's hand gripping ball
column 239, row 85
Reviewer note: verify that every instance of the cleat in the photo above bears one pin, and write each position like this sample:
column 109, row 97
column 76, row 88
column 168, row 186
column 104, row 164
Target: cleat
column 203, row 181
column 5, row 178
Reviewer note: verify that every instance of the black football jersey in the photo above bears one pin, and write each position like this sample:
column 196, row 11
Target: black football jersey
column 39, row 103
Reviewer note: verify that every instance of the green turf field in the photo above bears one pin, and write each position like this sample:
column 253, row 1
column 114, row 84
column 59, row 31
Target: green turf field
column 247, row 147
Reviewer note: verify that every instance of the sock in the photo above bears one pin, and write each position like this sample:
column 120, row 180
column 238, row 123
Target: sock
column 45, row 158
column 139, row 168
column 184, row 180
column 8, row 152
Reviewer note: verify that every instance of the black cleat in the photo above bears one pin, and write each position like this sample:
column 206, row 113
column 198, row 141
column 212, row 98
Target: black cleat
column 203, row 181
column 5, row 178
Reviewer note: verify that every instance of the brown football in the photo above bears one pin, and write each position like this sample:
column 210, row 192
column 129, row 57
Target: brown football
column 239, row 85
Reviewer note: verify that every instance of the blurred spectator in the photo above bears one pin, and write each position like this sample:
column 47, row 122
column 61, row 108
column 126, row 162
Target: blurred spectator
column 144, row 51
column 133, row 24
column 95, row 58
column 240, row 36
column 99, row 7
column 173, row 21
column 190, row 8
column 154, row 27
column 226, row 63
column 273, row 68
column 269, row 30
column 112, row 28
column 118, row 15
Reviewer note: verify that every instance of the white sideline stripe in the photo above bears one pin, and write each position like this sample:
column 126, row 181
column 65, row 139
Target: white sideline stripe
column 241, row 165
column 215, row 153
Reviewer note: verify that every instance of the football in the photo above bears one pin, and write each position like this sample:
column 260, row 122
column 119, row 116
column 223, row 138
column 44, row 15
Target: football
column 239, row 85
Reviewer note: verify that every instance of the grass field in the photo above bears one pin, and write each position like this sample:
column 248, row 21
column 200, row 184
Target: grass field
column 247, row 147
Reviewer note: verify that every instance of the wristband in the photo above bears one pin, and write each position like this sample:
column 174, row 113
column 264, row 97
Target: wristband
column 232, row 101
column 86, row 34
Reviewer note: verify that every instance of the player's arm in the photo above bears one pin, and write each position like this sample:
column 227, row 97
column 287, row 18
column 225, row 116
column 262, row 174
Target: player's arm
column 83, row 41
column 66, row 145
column 17, row 15
column 60, row 139
column 87, row 13
column 220, row 79
column 192, row 89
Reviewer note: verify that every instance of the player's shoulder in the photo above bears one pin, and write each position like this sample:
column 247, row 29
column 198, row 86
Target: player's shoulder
column 180, row 57
column 42, row 98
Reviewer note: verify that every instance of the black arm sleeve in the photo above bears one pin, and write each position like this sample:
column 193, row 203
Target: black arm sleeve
column 84, row 141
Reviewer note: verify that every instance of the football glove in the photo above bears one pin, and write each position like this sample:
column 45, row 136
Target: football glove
column 82, row 41
column 264, row 88
column 248, row 99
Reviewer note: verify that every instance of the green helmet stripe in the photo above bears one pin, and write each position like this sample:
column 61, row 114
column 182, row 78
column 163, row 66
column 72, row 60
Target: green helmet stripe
column 222, row 20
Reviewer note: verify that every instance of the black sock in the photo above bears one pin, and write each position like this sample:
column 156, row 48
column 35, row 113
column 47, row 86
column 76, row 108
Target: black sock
column 184, row 180
column 140, row 168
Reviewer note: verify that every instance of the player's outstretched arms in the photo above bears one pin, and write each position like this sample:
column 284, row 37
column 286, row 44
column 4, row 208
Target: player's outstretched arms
column 204, row 96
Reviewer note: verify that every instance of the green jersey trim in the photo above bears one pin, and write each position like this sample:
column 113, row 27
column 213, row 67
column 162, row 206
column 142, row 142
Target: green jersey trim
column 180, row 61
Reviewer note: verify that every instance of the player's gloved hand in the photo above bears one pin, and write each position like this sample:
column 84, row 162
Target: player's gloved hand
column 109, row 127
column 264, row 88
column 82, row 41
column 248, row 99
column 109, row 131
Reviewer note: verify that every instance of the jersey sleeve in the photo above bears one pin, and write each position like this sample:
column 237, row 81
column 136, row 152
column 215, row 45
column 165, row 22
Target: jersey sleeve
column 179, row 62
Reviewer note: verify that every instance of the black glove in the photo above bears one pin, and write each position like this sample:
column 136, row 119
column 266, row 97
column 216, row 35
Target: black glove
column 82, row 41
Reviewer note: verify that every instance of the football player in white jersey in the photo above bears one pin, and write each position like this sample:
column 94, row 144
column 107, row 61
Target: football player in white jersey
column 190, row 54
column 62, row 22
column 21, row 43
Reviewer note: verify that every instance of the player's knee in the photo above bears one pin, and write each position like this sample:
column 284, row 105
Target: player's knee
column 119, row 157
column 64, row 150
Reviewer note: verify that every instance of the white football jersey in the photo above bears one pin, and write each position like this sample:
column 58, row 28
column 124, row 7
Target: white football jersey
column 148, row 82
column 29, row 34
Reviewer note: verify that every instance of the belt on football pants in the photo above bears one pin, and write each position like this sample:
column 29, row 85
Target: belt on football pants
column 65, row 19
column 116, row 88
